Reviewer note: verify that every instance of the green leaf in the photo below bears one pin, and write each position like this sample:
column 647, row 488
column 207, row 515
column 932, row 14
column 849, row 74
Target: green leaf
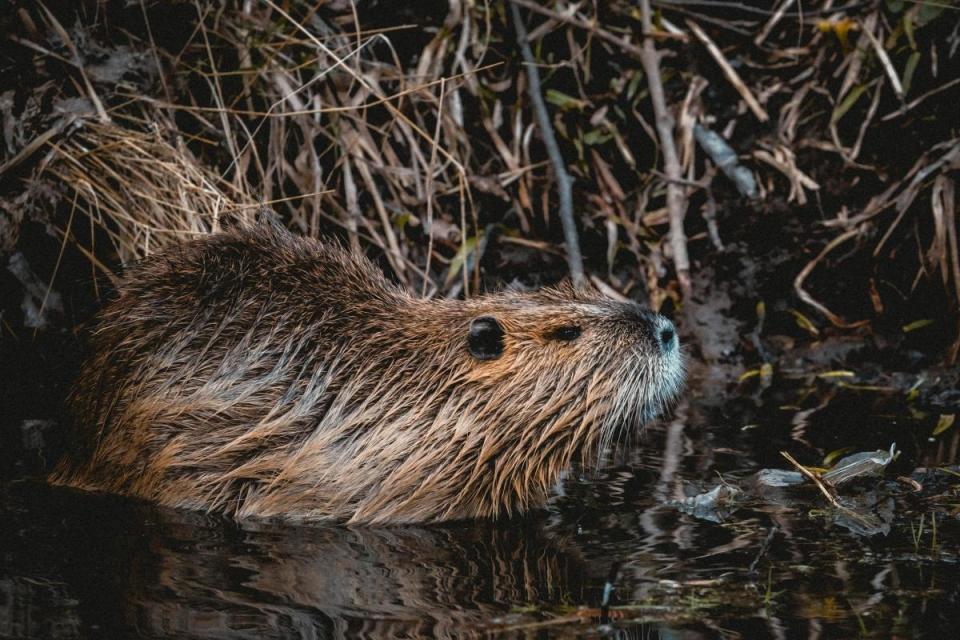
column 564, row 101
column 908, row 28
column 456, row 264
column 848, row 102
column 634, row 84
column 908, row 71
column 805, row 323
column 597, row 136
column 917, row 324
column 401, row 220
column 930, row 10
column 945, row 422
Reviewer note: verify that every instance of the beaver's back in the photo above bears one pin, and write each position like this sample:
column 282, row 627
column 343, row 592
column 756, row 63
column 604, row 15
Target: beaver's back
column 202, row 343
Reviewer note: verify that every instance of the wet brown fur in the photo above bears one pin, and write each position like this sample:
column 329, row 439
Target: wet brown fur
column 262, row 374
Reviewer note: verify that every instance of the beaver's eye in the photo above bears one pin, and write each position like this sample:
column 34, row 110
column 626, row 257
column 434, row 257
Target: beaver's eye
column 567, row 334
column 486, row 338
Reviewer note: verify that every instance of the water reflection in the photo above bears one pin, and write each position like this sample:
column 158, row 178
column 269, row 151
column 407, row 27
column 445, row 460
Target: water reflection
column 75, row 565
column 182, row 575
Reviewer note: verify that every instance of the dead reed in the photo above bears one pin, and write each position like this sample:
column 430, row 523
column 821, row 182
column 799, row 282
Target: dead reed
column 421, row 140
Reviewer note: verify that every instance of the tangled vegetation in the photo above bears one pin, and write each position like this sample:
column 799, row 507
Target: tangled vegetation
column 445, row 137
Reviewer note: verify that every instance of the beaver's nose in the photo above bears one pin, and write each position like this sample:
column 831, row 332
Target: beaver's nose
column 666, row 334
column 656, row 328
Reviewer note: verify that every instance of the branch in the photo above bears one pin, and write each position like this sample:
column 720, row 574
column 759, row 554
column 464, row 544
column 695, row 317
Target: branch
column 676, row 199
column 564, row 182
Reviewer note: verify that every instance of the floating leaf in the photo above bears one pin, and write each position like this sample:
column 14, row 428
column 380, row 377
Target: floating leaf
column 778, row 478
column 859, row 465
column 714, row 505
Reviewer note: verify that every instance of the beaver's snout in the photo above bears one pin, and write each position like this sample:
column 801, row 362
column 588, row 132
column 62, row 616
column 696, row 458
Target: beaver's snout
column 657, row 329
column 666, row 335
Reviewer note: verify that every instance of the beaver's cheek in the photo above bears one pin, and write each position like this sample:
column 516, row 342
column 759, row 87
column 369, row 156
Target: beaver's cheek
column 492, row 372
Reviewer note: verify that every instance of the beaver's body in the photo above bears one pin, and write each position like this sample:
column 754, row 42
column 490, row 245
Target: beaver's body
column 257, row 373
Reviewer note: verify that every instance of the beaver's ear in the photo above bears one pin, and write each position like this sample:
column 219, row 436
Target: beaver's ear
column 485, row 341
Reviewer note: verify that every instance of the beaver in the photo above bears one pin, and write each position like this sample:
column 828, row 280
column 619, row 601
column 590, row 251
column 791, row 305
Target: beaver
column 259, row 373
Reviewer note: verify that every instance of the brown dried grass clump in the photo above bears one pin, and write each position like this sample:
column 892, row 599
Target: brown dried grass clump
column 141, row 190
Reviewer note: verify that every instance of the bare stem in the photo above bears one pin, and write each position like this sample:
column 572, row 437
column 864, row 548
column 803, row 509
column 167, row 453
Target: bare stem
column 676, row 198
column 564, row 182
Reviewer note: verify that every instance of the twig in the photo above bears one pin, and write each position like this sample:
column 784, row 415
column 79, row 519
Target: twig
column 783, row 160
column 77, row 63
column 564, row 182
column 428, row 189
column 910, row 105
column 884, row 60
column 806, row 297
column 772, row 22
column 815, row 479
column 591, row 27
column 710, row 217
column 365, row 83
column 729, row 71
column 948, row 199
column 903, row 201
column 676, row 200
column 607, row 290
column 35, row 144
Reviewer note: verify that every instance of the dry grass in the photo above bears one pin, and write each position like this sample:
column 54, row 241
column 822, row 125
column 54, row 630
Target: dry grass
column 420, row 140
column 143, row 191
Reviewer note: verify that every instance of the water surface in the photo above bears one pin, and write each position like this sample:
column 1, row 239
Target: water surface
column 609, row 557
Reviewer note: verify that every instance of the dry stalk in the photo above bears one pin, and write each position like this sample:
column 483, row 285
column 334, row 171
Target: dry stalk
column 808, row 268
column 729, row 72
column 815, row 479
column 676, row 199
column 143, row 192
column 564, row 182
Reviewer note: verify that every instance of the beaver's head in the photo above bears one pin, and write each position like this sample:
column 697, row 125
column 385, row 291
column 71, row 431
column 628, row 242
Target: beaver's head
column 480, row 405
column 602, row 352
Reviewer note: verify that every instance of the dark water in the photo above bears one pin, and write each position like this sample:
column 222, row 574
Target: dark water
column 609, row 557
